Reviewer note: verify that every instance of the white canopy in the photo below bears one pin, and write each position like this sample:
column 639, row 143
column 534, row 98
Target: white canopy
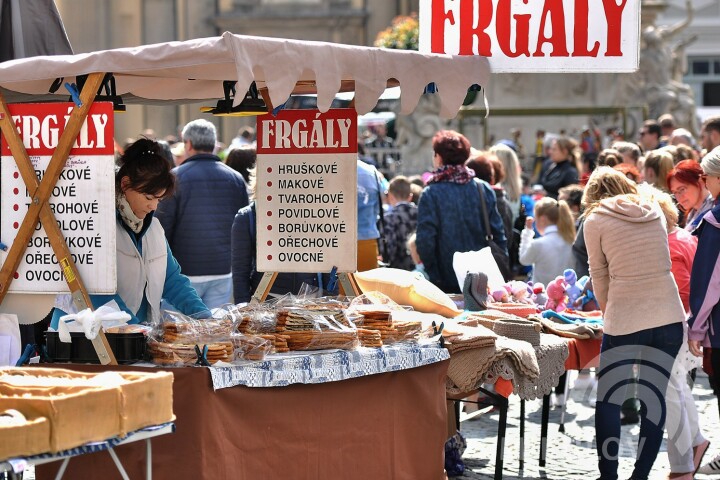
column 193, row 70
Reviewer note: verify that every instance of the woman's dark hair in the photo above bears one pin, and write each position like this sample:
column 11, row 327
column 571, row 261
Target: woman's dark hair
column 609, row 157
column 145, row 165
column 453, row 147
column 242, row 160
column 482, row 165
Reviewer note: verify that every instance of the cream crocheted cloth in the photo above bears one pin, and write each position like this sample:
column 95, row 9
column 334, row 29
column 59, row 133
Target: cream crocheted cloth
column 534, row 371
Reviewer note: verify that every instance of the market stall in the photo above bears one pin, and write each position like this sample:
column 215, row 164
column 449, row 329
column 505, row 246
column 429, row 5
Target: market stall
column 388, row 422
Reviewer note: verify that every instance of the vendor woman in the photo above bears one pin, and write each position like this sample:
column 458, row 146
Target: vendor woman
column 146, row 269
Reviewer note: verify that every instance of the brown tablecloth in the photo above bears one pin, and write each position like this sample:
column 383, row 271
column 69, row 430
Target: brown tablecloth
column 391, row 425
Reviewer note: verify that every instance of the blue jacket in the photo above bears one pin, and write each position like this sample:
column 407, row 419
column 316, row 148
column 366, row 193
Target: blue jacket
column 198, row 217
column 449, row 221
column 368, row 202
column 177, row 289
column 244, row 274
column 704, row 317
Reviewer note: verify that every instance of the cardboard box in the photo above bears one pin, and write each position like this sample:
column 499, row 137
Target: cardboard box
column 77, row 415
column 30, row 438
column 146, row 398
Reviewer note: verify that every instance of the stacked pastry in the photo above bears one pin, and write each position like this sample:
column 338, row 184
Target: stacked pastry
column 176, row 345
column 369, row 338
column 317, row 329
column 165, row 353
column 379, row 319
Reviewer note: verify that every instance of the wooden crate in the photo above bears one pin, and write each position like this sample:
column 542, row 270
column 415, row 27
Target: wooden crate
column 146, row 397
column 30, row 438
column 77, row 415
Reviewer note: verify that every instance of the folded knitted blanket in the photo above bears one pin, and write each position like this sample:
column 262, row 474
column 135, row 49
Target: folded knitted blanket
column 468, row 368
column 462, row 337
column 551, row 355
column 582, row 331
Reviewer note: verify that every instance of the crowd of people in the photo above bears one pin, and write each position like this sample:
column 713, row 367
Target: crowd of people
column 578, row 205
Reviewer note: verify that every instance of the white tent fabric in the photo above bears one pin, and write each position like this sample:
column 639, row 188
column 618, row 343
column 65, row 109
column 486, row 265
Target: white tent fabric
column 194, row 70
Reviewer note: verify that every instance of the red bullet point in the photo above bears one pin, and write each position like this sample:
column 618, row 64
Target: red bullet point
column 16, row 225
column 16, row 191
column 16, row 175
column 269, row 184
column 269, row 198
column 269, row 257
column 269, row 213
column 269, row 170
column 16, row 207
column 16, row 275
column 269, row 243
column 269, row 227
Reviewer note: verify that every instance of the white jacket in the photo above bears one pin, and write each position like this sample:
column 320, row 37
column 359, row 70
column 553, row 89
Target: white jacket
column 138, row 275
column 549, row 255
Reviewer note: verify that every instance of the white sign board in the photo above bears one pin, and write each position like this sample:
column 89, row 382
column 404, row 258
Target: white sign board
column 536, row 36
column 83, row 200
column 306, row 194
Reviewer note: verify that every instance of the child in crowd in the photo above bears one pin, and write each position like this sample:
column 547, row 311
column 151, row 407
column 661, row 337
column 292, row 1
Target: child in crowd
column 400, row 222
column 412, row 249
column 551, row 254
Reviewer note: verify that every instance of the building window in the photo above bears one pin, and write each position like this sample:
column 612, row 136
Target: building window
column 703, row 76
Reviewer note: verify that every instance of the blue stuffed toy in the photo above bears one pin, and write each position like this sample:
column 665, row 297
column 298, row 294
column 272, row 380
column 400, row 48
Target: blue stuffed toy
column 574, row 287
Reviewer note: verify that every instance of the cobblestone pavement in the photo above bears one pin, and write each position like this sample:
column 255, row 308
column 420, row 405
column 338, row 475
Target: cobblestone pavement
column 570, row 455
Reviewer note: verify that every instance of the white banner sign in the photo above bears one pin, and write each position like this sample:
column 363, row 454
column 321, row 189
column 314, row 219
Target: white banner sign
column 306, row 194
column 83, row 200
column 536, row 35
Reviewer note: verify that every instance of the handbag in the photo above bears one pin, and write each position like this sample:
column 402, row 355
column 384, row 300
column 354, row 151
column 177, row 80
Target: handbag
column 498, row 253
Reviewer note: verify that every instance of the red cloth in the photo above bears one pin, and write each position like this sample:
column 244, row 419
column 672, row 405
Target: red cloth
column 682, row 252
column 583, row 353
column 504, row 387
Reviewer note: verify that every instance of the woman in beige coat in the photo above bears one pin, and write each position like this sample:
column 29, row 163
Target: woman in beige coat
column 629, row 258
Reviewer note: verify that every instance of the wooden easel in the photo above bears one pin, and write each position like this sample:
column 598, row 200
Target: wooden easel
column 40, row 208
column 347, row 282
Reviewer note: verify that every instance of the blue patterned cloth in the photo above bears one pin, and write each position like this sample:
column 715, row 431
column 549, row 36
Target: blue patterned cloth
column 328, row 366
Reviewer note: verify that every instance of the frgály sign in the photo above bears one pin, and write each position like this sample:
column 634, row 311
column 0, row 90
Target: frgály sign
column 536, row 35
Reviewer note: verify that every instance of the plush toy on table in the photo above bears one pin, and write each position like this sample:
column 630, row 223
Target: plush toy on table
column 557, row 299
column 538, row 293
column 519, row 291
column 573, row 289
column 500, row 295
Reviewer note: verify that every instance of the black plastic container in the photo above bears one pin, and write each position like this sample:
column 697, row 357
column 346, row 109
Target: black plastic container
column 127, row 347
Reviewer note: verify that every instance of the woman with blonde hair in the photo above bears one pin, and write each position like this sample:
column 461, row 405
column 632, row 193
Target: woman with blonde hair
column 550, row 254
column 565, row 168
column 639, row 328
column 512, row 183
column 658, row 164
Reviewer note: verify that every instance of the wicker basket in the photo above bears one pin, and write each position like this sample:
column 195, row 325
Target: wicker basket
column 518, row 329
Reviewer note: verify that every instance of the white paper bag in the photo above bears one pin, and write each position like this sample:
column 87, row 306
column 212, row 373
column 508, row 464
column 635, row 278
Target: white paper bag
column 478, row 261
column 9, row 339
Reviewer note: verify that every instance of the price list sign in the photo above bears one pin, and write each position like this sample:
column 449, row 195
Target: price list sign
column 306, row 194
column 83, row 199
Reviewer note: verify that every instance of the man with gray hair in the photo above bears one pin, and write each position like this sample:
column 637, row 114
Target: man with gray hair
column 198, row 217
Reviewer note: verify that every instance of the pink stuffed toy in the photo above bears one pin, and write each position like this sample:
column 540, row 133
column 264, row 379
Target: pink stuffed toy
column 557, row 299
column 500, row 295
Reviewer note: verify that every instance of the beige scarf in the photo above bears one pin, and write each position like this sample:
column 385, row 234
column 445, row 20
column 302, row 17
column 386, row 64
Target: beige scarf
column 128, row 216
